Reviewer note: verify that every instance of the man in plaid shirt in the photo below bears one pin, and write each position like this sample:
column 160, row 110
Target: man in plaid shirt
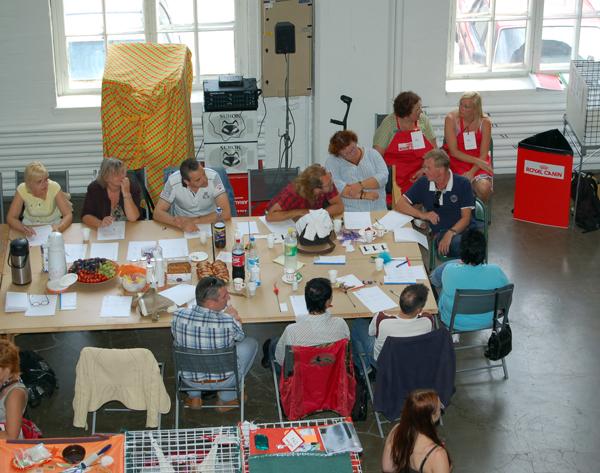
column 313, row 189
column 213, row 324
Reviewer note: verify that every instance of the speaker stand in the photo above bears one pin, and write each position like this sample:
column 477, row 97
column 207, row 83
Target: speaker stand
column 287, row 144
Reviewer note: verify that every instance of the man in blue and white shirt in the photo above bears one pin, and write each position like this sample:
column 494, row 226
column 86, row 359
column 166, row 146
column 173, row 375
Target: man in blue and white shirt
column 210, row 325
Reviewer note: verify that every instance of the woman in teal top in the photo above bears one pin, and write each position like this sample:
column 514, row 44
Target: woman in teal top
column 469, row 273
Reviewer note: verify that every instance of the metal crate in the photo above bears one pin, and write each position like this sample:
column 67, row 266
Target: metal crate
column 245, row 436
column 583, row 102
column 215, row 449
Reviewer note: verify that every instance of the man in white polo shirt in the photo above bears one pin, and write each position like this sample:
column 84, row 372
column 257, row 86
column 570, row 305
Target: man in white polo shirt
column 190, row 196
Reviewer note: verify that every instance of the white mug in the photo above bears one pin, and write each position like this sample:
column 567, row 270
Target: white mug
column 85, row 232
column 251, row 288
column 378, row 264
column 333, row 275
column 238, row 284
column 203, row 237
column 369, row 235
column 270, row 240
column 337, row 225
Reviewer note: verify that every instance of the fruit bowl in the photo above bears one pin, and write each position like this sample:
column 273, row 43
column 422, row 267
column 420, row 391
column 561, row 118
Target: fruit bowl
column 132, row 277
column 94, row 270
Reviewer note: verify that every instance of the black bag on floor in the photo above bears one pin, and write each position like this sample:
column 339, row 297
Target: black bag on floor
column 359, row 411
column 587, row 213
column 500, row 343
column 37, row 375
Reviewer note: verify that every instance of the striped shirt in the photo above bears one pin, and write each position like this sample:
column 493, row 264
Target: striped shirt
column 311, row 331
column 205, row 329
column 386, row 131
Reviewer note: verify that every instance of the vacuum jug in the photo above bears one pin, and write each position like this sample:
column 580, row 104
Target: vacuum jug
column 18, row 260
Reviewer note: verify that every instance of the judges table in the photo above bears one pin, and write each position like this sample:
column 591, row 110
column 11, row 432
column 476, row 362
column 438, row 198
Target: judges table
column 263, row 307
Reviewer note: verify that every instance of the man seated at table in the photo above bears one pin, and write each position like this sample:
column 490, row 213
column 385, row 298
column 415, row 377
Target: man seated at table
column 313, row 189
column 368, row 338
column 318, row 328
column 190, row 196
column 447, row 200
column 210, row 325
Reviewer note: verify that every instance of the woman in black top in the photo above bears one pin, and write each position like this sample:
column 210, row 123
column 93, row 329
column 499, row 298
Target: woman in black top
column 413, row 444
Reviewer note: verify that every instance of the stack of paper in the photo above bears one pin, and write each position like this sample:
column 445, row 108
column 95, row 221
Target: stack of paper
column 180, row 294
column 105, row 250
column 174, row 248
column 410, row 235
column 41, row 305
column 357, row 220
column 116, row 306
column 393, row 220
column 68, row 301
column 374, row 299
column 16, row 302
column 115, row 231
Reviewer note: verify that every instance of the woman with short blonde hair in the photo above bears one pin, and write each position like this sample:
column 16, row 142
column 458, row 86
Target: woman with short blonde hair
column 41, row 201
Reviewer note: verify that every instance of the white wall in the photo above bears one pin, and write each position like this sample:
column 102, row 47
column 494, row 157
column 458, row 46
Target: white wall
column 367, row 50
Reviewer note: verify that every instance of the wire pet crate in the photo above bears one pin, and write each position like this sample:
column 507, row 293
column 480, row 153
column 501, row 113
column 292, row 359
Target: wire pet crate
column 245, row 436
column 215, row 449
column 583, row 102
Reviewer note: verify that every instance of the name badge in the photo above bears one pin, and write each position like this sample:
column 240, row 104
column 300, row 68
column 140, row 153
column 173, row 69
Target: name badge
column 469, row 139
column 417, row 140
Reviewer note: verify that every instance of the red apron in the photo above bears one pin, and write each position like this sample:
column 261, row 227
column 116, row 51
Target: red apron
column 400, row 153
column 460, row 167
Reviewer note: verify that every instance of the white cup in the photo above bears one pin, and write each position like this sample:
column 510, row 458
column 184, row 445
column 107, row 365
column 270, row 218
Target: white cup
column 203, row 237
column 332, row 275
column 379, row 264
column 252, row 288
column 85, row 233
column 270, row 240
column 337, row 225
column 238, row 284
column 369, row 235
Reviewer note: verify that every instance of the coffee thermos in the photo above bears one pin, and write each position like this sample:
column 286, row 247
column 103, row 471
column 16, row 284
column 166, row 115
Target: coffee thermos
column 18, row 260
column 57, row 260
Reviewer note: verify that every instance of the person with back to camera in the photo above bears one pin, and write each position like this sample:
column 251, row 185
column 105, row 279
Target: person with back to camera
column 413, row 445
column 42, row 202
column 404, row 137
column 359, row 173
column 468, row 136
column 111, row 196
column 13, row 393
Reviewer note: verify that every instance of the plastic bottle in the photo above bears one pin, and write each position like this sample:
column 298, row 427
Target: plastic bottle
column 290, row 252
column 160, row 272
column 238, row 260
column 219, row 230
column 253, row 261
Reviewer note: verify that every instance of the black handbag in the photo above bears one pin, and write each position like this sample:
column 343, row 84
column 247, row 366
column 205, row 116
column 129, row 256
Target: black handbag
column 500, row 342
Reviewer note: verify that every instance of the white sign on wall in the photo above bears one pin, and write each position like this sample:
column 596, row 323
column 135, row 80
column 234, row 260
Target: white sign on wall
column 544, row 170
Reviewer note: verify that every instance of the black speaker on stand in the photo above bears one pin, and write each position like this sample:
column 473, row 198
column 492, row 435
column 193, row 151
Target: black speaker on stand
column 285, row 43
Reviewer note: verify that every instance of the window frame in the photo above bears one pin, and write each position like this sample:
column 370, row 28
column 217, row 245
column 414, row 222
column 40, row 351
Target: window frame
column 246, row 30
column 533, row 43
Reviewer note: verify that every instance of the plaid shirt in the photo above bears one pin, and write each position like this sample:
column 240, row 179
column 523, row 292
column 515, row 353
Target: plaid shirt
column 288, row 199
column 205, row 329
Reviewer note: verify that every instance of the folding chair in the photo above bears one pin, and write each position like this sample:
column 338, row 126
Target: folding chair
column 391, row 187
column 264, row 184
column 130, row 376
column 481, row 301
column 315, row 379
column 407, row 363
column 61, row 177
column 221, row 362
column 139, row 177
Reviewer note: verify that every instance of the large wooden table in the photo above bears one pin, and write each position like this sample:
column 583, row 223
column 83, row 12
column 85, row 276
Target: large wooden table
column 261, row 308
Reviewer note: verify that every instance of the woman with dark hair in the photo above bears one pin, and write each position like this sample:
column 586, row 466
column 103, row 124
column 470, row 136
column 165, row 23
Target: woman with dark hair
column 359, row 173
column 404, row 137
column 13, row 393
column 471, row 272
column 413, row 445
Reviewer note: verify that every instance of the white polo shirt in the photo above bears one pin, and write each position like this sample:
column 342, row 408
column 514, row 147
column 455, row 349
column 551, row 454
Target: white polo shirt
column 186, row 203
column 396, row 327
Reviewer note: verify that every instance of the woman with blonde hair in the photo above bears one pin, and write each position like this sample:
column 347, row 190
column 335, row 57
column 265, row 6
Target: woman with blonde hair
column 468, row 137
column 13, row 393
column 413, row 445
column 42, row 202
column 313, row 189
column 111, row 196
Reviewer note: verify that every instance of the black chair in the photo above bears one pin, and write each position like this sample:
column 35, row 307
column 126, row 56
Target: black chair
column 139, row 177
column 392, row 187
column 264, row 184
column 481, row 301
column 216, row 362
column 62, row 177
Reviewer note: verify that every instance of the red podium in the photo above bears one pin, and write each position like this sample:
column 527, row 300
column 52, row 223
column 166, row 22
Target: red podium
column 543, row 181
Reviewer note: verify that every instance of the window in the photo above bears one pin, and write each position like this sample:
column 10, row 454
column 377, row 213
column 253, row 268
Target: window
column 217, row 33
column 514, row 37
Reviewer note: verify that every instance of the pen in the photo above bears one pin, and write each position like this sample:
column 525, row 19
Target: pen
column 403, row 262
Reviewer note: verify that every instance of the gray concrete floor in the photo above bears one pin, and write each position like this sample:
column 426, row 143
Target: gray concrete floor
column 544, row 418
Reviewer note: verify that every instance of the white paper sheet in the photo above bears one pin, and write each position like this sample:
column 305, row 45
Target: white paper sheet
column 41, row 235
column 299, row 306
column 16, row 302
column 41, row 310
column 350, row 281
column 278, row 228
column 374, row 299
column 180, row 294
column 283, row 307
column 225, row 256
column 105, row 250
column 419, row 272
column 134, row 249
column 246, row 228
column 75, row 251
column 201, row 227
column 174, row 248
column 393, row 220
column 67, row 301
column 116, row 306
column 410, row 235
column 115, row 231
column 323, row 259
column 357, row 220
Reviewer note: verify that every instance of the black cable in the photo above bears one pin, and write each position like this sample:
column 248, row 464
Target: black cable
column 264, row 117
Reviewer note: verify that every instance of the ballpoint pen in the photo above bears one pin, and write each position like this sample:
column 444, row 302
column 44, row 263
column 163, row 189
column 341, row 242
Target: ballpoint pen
column 276, row 291
column 89, row 461
column 403, row 262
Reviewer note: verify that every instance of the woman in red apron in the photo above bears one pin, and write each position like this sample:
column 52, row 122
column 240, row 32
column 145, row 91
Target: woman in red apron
column 468, row 134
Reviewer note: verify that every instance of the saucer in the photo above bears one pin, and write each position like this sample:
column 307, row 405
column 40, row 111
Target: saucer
column 61, row 285
column 298, row 278
column 197, row 256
